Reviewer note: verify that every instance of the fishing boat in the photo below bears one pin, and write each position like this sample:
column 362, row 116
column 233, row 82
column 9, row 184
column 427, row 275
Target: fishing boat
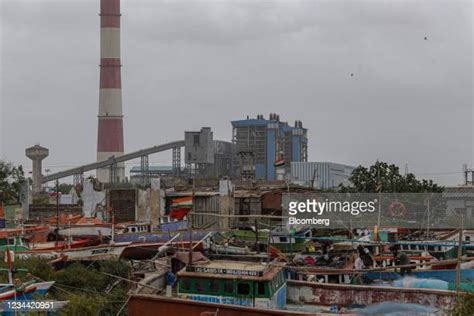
column 34, row 233
column 348, row 295
column 279, row 237
column 145, row 245
column 18, row 243
column 10, row 291
column 112, row 251
column 16, row 289
column 218, row 244
column 230, row 250
column 467, row 275
column 22, row 250
column 231, row 282
column 172, row 224
column 87, row 228
column 252, row 288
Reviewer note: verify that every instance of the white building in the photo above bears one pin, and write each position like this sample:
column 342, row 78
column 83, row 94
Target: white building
column 324, row 175
column 459, row 200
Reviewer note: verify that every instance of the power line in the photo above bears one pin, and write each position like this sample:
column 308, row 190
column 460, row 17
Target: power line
column 437, row 173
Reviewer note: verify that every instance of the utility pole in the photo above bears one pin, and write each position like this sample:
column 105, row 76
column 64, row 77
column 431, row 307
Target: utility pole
column 379, row 189
column 428, row 215
column 466, row 172
column 458, row 264
column 190, row 228
column 256, row 236
column 57, row 211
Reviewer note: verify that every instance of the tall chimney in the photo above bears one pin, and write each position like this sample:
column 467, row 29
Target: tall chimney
column 110, row 131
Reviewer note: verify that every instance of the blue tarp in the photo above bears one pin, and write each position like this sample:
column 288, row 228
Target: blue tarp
column 396, row 309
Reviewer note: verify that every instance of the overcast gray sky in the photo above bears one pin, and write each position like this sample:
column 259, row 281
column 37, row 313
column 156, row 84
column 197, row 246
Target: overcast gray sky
column 188, row 64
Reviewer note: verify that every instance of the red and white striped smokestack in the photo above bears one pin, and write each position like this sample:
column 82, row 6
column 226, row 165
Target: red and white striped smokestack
column 110, row 131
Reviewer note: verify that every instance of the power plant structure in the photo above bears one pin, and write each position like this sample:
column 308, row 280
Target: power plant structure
column 110, row 127
column 261, row 149
column 206, row 157
column 37, row 154
column 264, row 148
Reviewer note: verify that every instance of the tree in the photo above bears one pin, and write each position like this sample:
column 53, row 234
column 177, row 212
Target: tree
column 64, row 188
column 387, row 178
column 11, row 181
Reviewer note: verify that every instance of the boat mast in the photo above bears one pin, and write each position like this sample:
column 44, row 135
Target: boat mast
column 113, row 225
column 9, row 263
column 190, row 228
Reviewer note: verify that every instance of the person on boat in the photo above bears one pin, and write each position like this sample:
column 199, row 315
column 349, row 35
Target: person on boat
column 359, row 263
column 19, row 286
column 366, row 256
column 401, row 259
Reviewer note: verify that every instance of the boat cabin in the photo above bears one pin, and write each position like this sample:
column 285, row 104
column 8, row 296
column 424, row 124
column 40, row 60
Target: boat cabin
column 440, row 249
column 289, row 241
column 13, row 243
column 251, row 284
column 137, row 228
column 170, row 224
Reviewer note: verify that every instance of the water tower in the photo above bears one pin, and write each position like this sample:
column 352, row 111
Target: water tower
column 37, row 154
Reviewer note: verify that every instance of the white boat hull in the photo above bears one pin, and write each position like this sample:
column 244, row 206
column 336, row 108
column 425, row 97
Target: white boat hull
column 103, row 252
column 86, row 231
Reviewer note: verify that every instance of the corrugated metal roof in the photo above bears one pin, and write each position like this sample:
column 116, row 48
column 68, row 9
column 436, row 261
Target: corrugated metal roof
column 189, row 193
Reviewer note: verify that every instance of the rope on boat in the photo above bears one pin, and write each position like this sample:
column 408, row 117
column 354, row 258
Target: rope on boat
column 132, row 281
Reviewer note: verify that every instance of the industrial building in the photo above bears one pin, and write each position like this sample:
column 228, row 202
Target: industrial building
column 206, row 157
column 264, row 148
column 320, row 175
column 136, row 173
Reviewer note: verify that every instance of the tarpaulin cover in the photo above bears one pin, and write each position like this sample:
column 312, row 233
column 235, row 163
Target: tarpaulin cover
column 396, row 309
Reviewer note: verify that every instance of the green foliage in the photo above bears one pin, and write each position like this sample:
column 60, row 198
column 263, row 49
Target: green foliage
column 464, row 305
column 81, row 277
column 119, row 268
column 387, row 178
column 64, row 188
column 41, row 199
column 82, row 304
column 103, row 295
column 37, row 266
column 88, row 290
column 11, row 180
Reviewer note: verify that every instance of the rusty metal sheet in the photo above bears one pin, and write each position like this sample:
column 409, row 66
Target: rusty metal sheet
column 343, row 295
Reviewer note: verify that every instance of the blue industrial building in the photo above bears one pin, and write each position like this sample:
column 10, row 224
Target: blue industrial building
column 265, row 147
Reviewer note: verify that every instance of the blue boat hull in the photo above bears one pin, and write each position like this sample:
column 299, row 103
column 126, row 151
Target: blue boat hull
column 158, row 237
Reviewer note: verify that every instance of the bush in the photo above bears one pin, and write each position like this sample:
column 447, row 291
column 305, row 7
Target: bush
column 464, row 305
column 88, row 290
